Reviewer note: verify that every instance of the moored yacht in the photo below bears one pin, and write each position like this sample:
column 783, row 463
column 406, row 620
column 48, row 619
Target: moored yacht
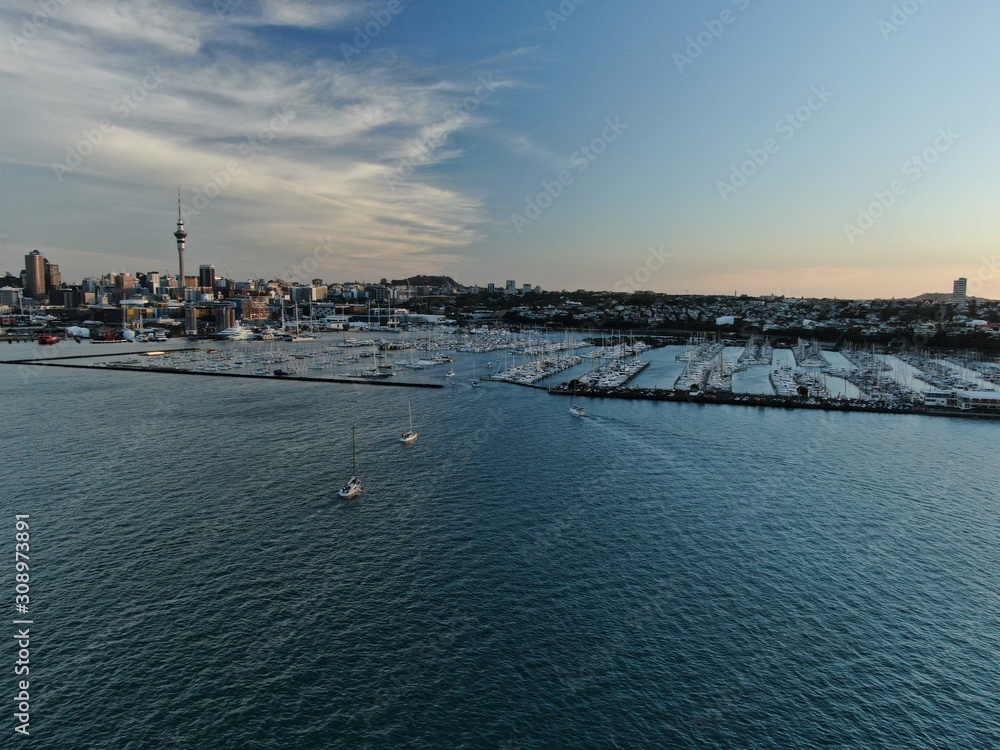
column 234, row 333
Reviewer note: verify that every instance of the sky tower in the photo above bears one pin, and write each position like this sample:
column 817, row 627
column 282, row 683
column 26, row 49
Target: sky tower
column 181, row 236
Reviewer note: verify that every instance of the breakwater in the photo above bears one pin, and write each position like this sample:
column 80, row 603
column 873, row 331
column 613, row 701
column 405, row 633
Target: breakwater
column 171, row 370
column 740, row 399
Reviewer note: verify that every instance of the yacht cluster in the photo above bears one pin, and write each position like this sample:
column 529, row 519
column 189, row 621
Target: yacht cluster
column 874, row 377
column 937, row 374
column 809, row 354
column 615, row 373
column 706, row 367
column 757, row 352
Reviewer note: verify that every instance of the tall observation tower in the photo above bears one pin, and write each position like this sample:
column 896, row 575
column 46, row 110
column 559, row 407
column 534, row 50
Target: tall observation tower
column 181, row 236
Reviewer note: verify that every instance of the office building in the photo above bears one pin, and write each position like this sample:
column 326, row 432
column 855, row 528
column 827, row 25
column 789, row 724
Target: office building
column 34, row 275
column 206, row 277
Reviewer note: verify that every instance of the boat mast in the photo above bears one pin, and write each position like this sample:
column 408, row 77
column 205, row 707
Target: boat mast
column 354, row 444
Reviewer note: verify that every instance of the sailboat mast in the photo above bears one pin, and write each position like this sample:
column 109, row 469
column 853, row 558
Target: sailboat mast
column 354, row 444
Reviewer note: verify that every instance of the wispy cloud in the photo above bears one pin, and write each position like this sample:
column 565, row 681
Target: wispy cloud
column 521, row 144
column 307, row 14
column 324, row 174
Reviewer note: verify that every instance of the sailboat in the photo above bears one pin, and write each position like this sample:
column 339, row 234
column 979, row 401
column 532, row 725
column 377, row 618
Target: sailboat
column 575, row 409
column 353, row 486
column 475, row 380
column 409, row 436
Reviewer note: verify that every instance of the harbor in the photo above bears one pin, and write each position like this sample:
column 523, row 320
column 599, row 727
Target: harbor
column 706, row 372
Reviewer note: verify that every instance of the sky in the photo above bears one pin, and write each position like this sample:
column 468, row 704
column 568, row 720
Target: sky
column 843, row 149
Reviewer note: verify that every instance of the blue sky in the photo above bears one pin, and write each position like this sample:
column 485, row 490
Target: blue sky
column 808, row 148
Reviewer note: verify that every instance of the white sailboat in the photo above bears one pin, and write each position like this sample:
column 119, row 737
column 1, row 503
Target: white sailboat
column 475, row 380
column 575, row 409
column 409, row 436
column 353, row 486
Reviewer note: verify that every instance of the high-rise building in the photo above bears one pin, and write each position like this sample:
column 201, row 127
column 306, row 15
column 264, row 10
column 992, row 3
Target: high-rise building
column 53, row 279
column 206, row 276
column 959, row 291
column 153, row 281
column 124, row 285
column 225, row 316
column 181, row 236
column 34, row 275
column 191, row 320
column 511, row 287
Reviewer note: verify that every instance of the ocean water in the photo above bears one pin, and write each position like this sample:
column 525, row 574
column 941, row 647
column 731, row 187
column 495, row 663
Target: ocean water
column 653, row 575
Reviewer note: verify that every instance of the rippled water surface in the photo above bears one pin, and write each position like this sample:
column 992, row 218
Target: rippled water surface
column 653, row 575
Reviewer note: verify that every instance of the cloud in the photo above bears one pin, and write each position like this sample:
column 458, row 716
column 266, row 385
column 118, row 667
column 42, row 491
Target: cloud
column 521, row 144
column 306, row 14
column 324, row 172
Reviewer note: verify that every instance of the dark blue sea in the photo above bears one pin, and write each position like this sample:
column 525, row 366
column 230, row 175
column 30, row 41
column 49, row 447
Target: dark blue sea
column 654, row 575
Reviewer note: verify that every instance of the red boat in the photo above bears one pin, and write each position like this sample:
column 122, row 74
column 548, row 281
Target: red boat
column 48, row 338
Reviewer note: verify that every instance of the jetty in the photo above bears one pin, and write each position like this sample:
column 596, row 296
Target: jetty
column 132, row 366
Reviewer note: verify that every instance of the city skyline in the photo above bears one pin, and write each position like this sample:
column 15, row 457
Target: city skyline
column 38, row 274
column 807, row 151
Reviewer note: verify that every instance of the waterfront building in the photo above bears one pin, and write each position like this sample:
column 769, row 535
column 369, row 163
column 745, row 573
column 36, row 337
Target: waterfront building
column 34, row 278
column 10, row 297
column 69, row 297
column 964, row 402
column 225, row 316
column 191, row 320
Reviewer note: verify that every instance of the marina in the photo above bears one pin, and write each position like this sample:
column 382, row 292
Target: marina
column 592, row 368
